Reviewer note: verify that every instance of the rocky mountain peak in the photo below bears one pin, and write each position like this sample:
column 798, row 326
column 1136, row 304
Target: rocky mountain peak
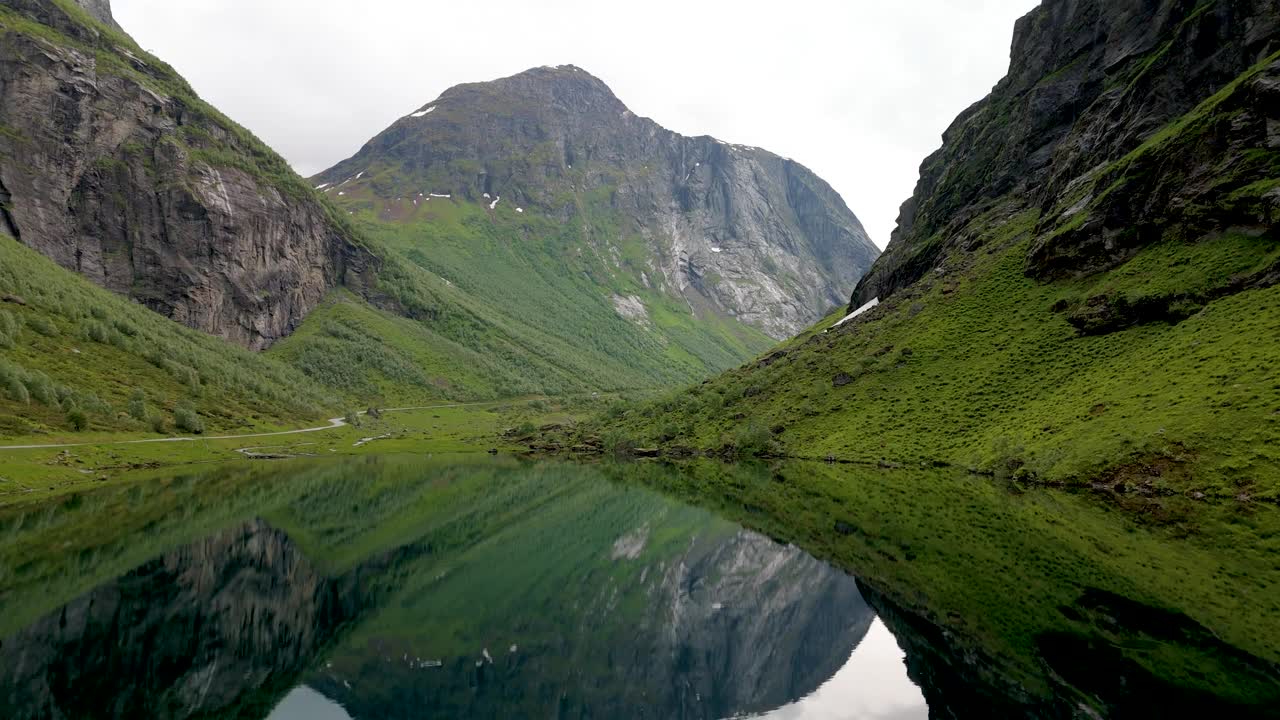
column 730, row 229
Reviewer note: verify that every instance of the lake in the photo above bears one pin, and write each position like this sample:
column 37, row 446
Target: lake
column 476, row 587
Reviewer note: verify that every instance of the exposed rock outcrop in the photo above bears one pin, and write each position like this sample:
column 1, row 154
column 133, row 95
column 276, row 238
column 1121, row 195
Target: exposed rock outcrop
column 111, row 166
column 1122, row 123
column 729, row 227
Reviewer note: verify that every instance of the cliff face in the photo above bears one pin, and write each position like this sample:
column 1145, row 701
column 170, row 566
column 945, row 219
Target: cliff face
column 205, row 628
column 737, row 229
column 1122, row 123
column 111, row 166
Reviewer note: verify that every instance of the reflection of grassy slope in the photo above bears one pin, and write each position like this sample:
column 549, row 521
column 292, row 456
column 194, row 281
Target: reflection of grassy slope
column 54, row 552
column 512, row 586
column 75, row 345
column 977, row 370
column 996, row 567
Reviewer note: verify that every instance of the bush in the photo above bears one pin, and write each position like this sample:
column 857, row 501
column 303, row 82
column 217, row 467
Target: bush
column 42, row 326
column 42, row 389
column 156, row 421
column 78, row 420
column 753, row 439
column 618, row 441
column 97, row 332
column 186, row 419
column 138, row 405
column 13, row 386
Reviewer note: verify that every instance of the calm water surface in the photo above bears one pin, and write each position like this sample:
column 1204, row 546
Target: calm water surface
column 413, row 587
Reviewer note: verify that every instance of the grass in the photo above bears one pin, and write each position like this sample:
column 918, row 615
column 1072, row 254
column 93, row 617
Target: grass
column 71, row 345
column 978, row 370
column 524, row 292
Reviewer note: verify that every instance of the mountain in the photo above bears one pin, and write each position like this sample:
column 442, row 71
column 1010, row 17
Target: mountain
column 1083, row 287
column 131, row 181
column 661, row 223
column 114, row 168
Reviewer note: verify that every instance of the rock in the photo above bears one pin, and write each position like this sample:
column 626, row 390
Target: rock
column 722, row 226
column 154, row 197
column 841, row 379
column 13, row 300
column 646, row 452
column 1089, row 83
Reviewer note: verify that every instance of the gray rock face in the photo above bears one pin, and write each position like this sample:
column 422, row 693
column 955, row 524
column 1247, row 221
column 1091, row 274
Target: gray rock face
column 1090, row 82
column 100, row 10
column 111, row 166
column 734, row 228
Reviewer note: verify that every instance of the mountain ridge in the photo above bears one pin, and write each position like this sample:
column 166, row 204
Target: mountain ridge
column 745, row 232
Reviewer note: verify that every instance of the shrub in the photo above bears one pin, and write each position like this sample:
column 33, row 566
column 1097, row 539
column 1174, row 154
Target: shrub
column 186, row 419
column 43, row 326
column 96, row 331
column 156, row 421
column 78, row 420
column 13, row 385
column 618, row 441
column 9, row 329
column 138, row 405
column 753, row 439
column 42, row 389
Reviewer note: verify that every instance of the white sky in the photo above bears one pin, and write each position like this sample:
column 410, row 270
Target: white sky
column 858, row 90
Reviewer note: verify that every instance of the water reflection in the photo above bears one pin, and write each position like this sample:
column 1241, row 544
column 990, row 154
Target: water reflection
column 869, row 686
column 403, row 588
column 408, row 587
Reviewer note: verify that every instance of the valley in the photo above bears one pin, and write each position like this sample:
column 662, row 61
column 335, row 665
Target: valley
column 531, row 406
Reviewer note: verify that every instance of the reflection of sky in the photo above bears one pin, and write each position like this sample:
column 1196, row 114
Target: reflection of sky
column 873, row 685
column 303, row 703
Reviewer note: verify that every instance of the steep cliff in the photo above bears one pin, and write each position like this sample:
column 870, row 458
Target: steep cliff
column 729, row 229
column 1122, row 124
column 1083, row 287
column 111, row 166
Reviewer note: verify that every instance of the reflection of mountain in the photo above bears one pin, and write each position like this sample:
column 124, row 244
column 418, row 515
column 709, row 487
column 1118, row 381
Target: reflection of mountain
column 672, row 615
column 212, row 626
column 590, row 599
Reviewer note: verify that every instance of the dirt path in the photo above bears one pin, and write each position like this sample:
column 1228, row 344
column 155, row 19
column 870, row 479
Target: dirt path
column 334, row 423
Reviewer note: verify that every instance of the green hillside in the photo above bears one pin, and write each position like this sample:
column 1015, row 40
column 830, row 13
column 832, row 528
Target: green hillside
column 1040, row 344
column 501, row 305
column 74, row 357
column 978, row 372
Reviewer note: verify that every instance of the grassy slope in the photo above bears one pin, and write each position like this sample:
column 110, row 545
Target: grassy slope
column 978, row 365
column 527, row 302
column 74, row 345
column 977, row 371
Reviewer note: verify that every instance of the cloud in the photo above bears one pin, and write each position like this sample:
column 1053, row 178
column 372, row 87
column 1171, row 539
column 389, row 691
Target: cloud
column 858, row 90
